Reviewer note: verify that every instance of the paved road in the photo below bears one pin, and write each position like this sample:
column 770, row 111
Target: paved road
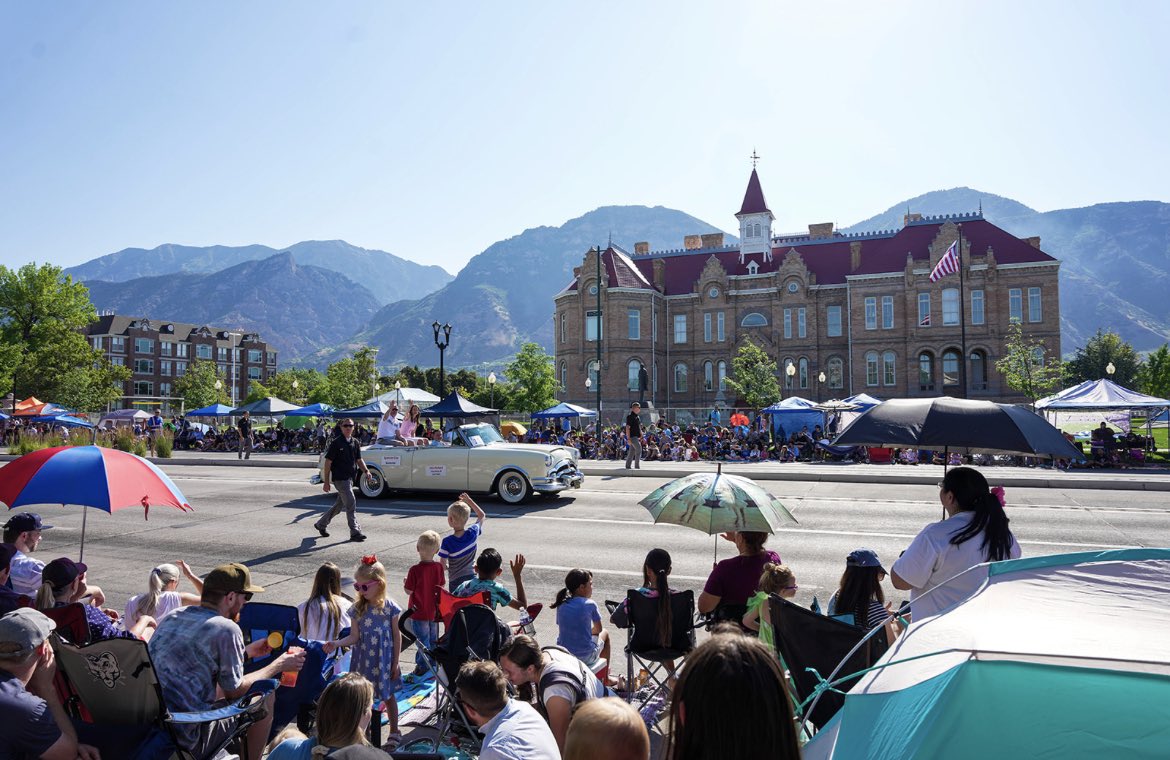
column 263, row 516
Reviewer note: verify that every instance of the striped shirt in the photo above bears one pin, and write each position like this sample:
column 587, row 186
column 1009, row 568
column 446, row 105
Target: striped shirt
column 459, row 551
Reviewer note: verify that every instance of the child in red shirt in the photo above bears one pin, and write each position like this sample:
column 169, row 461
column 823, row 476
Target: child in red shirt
column 421, row 584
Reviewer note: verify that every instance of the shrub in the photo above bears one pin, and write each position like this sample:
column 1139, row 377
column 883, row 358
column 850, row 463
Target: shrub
column 139, row 448
column 124, row 439
column 164, row 445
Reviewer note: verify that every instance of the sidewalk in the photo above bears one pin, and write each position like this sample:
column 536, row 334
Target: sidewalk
column 1153, row 479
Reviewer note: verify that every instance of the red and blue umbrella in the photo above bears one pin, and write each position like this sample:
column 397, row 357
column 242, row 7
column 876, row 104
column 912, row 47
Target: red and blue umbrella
column 87, row 476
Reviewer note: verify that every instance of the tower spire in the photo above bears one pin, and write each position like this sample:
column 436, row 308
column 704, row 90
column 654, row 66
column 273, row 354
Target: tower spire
column 755, row 158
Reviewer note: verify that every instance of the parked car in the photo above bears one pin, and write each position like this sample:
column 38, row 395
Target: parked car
column 477, row 460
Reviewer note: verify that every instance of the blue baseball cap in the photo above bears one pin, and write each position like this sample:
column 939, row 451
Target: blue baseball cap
column 864, row 558
column 25, row 521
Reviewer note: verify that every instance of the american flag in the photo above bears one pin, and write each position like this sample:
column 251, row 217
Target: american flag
column 948, row 264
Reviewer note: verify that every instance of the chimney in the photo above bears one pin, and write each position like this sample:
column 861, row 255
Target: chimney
column 713, row 240
column 818, row 231
column 660, row 275
column 576, row 272
column 693, row 242
column 1033, row 241
column 641, row 249
column 854, row 256
column 908, row 217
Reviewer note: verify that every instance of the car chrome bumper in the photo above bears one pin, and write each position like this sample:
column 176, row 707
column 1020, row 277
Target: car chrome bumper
column 560, row 481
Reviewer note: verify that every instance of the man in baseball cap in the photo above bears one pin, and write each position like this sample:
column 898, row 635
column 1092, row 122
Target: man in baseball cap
column 23, row 531
column 198, row 648
column 35, row 724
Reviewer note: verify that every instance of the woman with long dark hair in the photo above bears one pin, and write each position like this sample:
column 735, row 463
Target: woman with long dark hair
column 975, row 531
column 860, row 593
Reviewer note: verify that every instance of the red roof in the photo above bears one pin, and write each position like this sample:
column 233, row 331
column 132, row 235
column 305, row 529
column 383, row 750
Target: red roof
column 753, row 199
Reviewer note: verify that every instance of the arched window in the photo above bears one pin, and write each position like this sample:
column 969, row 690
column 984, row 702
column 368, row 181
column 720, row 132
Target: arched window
column 889, row 374
column 950, row 367
column 563, row 333
column 708, row 376
column 788, row 362
column 978, row 370
column 802, row 372
column 755, row 319
column 926, row 371
column 1038, row 356
column 871, row 368
column 564, row 375
column 756, row 230
column 591, row 375
column 680, row 378
column 721, row 369
column 950, row 304
column 836, row 373
column 632, row 370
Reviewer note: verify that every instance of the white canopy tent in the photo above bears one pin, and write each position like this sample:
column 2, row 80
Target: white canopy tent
column 1100, row 396
column 407, row 396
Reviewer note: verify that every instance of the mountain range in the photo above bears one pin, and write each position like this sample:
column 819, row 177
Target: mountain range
column 307, row 300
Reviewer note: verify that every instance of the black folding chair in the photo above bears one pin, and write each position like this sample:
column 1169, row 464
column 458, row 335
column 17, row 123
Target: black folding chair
column 644, row 645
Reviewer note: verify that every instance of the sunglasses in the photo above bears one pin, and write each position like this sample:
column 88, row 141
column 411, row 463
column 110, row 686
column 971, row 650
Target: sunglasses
column 347, row 425
column 791, row 588
column 246, row 594
column 362, row 587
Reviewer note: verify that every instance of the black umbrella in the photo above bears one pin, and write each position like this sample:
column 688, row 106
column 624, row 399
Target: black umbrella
column 953, row 424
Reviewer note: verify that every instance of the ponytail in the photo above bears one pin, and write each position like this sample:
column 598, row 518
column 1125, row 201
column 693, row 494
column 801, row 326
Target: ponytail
column 576, row 578
column 656, row 569
column 159, row 578
column 45, row 599
column 972, row 493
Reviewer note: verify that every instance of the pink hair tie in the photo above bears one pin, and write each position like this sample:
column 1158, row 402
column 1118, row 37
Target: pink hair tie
column 997, row 492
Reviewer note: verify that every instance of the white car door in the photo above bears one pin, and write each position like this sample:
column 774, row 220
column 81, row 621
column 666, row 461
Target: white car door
column 439, row 468
column 395, row 462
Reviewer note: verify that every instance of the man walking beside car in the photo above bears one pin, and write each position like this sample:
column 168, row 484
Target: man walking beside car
column 244, row 427
column 634, row 437
column 342, row 461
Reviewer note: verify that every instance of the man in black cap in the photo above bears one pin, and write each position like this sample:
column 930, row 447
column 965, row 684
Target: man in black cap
column 35, row 725
column 198, row 648
column 23, row 531
column 9, row 599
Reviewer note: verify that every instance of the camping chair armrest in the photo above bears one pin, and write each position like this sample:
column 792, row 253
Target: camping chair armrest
column 611, row 606
column 408, row 638
column 255, row 694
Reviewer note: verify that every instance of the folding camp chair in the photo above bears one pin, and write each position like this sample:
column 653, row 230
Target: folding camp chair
column 642, row 642
column 71, row 623
column 293, row 703
column 117, row 703
column 449, row 604
column 812, row 645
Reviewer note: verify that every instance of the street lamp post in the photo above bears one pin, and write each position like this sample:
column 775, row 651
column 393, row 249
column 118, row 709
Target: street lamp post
column 492, row 385
column 296, row 384
column 442, row 346
column 597, row 285
column 821, row 386
column 398, row 392
column 588, row 385
column 1110, row 369
column 790, row 371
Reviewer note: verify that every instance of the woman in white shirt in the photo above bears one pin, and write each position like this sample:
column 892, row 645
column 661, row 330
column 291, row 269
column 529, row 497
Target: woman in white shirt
column 975, row 531
column 326, row 611
column 163, row 596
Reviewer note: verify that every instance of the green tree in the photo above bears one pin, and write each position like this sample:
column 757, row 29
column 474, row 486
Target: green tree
column 1154, row 377
column 293, row 385
column 349, row 381
column 1103, row 349
column 1027, row 367
column 533, row 378
column 43, row 351
column 197, row 385
column 753, row 376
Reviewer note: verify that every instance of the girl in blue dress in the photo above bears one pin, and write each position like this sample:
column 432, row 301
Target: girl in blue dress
column 375, row 639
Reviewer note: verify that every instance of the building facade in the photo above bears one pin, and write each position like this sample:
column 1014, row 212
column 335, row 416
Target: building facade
column 157, row 353
column 840, row 313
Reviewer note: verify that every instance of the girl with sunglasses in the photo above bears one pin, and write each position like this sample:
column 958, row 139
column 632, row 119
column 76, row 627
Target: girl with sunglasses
column 775, row 579
column 375, row 639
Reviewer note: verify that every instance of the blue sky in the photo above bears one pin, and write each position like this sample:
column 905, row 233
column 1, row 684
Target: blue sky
column 431, row 130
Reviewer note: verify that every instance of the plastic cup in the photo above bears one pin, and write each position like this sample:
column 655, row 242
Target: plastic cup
column 289, row 677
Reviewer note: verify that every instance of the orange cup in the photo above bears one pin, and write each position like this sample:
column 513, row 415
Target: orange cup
column 289, row 677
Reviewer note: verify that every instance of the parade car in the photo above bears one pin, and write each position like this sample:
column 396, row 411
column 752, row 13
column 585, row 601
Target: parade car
column 477, row 460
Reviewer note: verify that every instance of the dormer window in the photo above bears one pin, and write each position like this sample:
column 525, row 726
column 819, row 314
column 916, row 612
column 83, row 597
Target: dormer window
column 753, row 267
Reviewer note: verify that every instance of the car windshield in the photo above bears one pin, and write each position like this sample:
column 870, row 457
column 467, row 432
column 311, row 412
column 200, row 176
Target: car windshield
column 480, row 435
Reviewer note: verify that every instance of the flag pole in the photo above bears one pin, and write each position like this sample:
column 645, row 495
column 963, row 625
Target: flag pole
column 962, row 319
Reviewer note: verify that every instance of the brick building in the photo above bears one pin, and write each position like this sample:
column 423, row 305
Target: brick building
column 158, row 352
column 848, row 312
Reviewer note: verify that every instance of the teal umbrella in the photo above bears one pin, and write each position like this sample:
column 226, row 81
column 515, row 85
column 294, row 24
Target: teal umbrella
column 717, row 503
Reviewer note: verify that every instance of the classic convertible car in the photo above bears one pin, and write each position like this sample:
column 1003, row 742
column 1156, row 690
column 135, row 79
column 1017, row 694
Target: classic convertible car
column 478, row 460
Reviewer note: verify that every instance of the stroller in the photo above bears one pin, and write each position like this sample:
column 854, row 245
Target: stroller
column 475, row 633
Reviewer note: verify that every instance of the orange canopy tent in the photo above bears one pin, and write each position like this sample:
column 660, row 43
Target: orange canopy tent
column 30, row 407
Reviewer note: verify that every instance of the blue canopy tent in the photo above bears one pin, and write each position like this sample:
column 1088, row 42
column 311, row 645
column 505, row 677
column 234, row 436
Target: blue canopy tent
column 266, row 407
column 67, row 420
column 792, row 414
column 563, row 409
column 312, row 410
column 372, row 410
column 3, row 416
column 215, row 410
column 863, row 400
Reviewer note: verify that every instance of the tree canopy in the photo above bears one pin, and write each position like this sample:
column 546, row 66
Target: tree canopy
column 532, row 380
column 753, row 376
column 197, row 385
column 1027, row 366
column 1154, row 377
column 1092, row 360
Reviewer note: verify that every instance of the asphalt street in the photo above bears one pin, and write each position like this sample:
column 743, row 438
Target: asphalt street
column 263, row 517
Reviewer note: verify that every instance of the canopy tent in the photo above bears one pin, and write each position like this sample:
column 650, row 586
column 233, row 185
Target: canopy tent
column 863, row 402
column 127, row 416
column 407, row 396
column 312, row 410
column 3, row 416
column 1100, row 395
column 794, row 413
column 372, row 410
column 268, row 407
column 215, row 410
column 1058, row 656
column 563, row 409
column 29, row 403
column 39, row 410
column 68, row 420
column 457, row 406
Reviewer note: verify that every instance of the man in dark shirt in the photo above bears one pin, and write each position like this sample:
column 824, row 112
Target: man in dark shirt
column 244, row 426
column 342, row 461
column 9, row 599
column 634, row 437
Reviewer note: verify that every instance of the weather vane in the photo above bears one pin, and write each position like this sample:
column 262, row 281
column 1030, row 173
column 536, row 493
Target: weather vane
column 755, row 158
